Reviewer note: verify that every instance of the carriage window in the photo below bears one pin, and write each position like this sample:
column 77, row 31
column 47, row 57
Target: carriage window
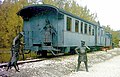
column 93, row 32
column 101, row 32
column 89, row 29
column 69, row 23
column 81, row 27
column 76, row 26
column 98, row 31
column 85, row 29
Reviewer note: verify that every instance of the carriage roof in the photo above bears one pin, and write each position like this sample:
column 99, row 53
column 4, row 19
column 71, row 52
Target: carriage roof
column 33, row 10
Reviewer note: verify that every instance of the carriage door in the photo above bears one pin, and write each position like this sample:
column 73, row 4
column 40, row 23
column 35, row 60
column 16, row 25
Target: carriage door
column 49, row 33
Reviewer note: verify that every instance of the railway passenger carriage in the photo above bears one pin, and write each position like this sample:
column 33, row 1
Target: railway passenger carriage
column 48, row 28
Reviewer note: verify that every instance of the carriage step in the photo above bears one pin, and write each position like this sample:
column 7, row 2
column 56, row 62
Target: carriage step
column 47, row 43
column 58, row 54
column 49, row 48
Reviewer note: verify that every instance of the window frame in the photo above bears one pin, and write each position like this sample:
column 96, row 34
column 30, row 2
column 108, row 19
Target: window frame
column 90, row 29
column 68, row 25
column 93, row 31
column 85, row 28
column 77, row 26
column 81, row 27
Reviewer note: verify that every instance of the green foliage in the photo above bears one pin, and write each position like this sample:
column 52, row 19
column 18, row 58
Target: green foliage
column 5, row 57
column 72, row 7
column 115, row 34
column 10, row 23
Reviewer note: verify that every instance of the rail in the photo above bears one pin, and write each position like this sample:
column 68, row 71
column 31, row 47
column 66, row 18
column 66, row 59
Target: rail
column 22, row 62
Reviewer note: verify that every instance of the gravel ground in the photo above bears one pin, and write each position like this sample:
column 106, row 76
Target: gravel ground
column 109, row 68
column 59, row 67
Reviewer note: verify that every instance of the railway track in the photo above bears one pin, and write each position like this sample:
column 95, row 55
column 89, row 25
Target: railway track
column 35, row 60
column 61, row 65
column 25, row 61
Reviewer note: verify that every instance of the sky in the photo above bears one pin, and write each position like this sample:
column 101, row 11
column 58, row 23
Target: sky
column 108, row 11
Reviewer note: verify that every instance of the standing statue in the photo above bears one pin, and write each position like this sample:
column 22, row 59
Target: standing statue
column 49, row 32
column 82, row 55
column 15, row 52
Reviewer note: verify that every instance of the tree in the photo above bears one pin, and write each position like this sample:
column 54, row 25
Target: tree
column 10, row 23
column 115, row 34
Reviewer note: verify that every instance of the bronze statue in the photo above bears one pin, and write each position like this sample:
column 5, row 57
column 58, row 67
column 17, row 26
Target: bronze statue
column 49, row 32
column 82, row 55
column 15, row 53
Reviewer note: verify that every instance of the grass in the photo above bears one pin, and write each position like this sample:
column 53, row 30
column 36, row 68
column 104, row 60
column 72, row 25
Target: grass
column 5, row 56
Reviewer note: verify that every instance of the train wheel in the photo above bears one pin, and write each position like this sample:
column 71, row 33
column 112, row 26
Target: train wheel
column 39, row 52
column 72, row 51
column 44, row 53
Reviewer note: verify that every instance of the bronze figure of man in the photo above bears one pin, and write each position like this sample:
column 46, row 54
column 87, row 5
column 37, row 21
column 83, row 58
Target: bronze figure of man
column 15, row 52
